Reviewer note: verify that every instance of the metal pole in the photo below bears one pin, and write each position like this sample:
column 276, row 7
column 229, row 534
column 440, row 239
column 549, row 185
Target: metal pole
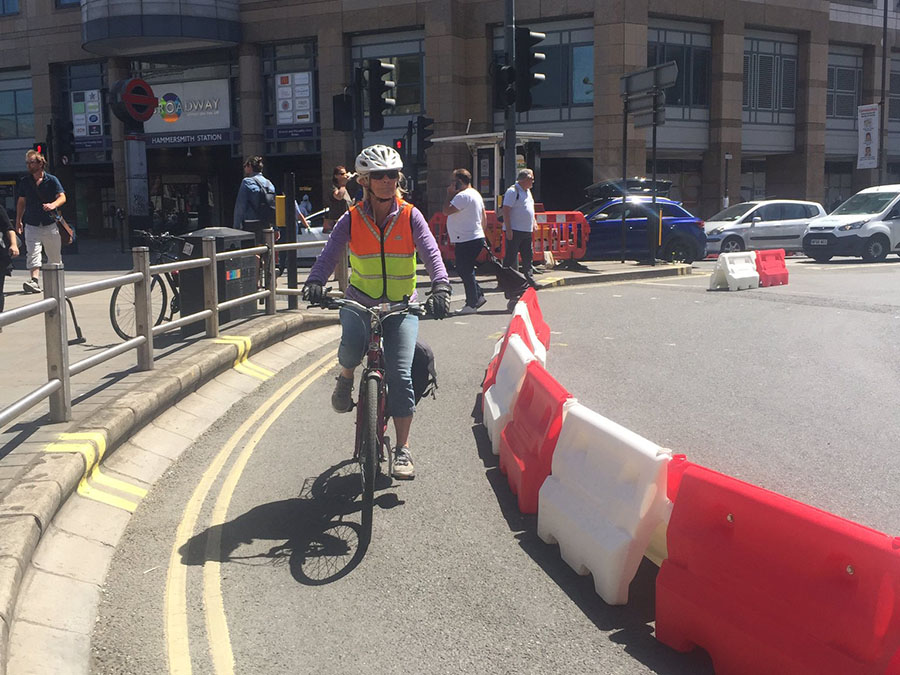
column 290, row 219
column 143, row 317
column 725, row 203
column 271, row 274
column 210, row 286
column 624, row 170
column 358, row 109
column 57, row 336
column 509, row 117
column 654, row 230
column 882, row 160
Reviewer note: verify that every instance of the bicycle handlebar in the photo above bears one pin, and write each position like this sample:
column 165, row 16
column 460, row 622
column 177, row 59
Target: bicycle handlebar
column 381, row 311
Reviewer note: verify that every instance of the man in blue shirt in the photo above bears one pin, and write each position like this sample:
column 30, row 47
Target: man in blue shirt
column 253, row 187
column 518, row 223
column 40, row 194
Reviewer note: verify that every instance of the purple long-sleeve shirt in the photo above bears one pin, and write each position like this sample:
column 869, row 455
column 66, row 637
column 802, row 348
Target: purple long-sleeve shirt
column 426, row 247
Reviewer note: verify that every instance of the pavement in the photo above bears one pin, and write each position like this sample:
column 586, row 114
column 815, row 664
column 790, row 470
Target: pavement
column 43, row 464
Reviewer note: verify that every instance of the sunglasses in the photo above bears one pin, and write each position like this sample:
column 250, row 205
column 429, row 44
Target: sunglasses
column 393, row 174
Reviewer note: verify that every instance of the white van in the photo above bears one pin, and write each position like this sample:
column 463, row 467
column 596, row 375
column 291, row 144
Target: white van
column 866, row 225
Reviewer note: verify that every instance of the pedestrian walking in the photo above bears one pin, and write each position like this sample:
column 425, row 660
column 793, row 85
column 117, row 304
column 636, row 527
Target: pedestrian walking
column 255, row 198
column 384, row 233
column 339, row 199
column 9, row 249
column 519, row 223
column 464, row 208
column 40, row 194
column 305, row 206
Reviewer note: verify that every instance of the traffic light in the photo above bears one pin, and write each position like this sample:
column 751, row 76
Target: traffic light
column 64, row 143
column 400, row 147
column 525, row 60
column 379, row 101
column 423, row 133
column 505, row 86
column 40, row 147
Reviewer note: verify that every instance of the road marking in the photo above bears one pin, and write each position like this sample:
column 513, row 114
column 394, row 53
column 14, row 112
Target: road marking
column 242, row 363
column 176, row 622
column 213, row 603
column 92, row 445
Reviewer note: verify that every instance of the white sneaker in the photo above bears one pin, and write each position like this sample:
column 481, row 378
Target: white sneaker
column 32, row 286
column 403, row 464
column 466, row 310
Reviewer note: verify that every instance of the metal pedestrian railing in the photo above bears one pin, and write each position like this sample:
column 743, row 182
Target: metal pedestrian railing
column 53, row 308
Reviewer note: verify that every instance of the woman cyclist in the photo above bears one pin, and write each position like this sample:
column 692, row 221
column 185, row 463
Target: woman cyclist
column 383, row 232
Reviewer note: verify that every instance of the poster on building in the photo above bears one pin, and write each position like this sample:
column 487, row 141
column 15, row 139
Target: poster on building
column 202, row 105
column 867, row 157
column 87, row 114
column 293, row 98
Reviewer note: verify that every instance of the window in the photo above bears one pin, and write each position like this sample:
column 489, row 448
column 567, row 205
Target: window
column 692, row 52
column 672, row 211
column 68, row 3
column 404, row 51
column 16, row 114
column 583, row 74
column 844, row 91
column 793, row 211
column 770, row 80
column 768, row 213
column 8, row 7
column 894, row 101
column 811, row 211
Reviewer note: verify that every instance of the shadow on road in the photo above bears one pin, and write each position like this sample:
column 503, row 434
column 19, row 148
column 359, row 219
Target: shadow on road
column 629, row 625
column 322, row 540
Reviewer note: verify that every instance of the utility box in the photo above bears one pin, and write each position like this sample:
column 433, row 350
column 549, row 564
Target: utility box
column 235, row 277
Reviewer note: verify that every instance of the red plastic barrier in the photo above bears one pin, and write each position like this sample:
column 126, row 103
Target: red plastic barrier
column 438, row 226
column 771, row 267
column 766, row 584
column 541, row 329
column 516, row 325
column 528, row 441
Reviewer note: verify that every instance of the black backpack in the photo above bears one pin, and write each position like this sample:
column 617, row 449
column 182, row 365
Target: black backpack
column 424, row 376
column 265, row 204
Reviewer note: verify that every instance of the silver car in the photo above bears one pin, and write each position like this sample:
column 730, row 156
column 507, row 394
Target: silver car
column 773, row 223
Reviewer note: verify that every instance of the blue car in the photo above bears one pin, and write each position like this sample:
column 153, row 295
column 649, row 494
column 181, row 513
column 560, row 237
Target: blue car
column 683, row 236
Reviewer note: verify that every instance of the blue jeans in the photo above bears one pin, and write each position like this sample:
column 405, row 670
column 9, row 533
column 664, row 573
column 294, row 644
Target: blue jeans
column 466, row 254
column 399, row 337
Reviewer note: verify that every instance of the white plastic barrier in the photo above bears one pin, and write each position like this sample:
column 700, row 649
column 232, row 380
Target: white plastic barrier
column 539, row 350
column 735, row 271
column 604, row 499
column 500, row 397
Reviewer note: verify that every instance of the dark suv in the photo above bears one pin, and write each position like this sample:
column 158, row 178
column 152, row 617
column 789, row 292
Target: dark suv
column 683, row 237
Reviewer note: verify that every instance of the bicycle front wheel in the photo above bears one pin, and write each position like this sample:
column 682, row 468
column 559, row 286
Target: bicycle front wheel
column 368, row 458
column 121, row 307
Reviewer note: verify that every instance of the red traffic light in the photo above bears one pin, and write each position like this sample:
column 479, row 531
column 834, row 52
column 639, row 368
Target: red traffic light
column 399, row 144
column 38, row 147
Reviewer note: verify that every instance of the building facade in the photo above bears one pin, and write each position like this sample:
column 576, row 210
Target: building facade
column 764, row 106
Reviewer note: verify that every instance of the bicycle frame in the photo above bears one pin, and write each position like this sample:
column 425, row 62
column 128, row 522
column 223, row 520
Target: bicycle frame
column 374, row 366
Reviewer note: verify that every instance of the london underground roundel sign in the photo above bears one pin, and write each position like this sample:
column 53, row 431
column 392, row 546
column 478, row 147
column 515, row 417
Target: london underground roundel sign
column 138, row 99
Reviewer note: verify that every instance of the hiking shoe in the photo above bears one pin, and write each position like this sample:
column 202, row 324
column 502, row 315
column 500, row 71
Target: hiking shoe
column 480, row 302
column 341, row 399
column 32, row 286
column 466, row 309
column 403, row 468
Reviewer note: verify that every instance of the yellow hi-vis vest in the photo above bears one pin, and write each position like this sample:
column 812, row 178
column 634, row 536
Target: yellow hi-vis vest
column 383, row 263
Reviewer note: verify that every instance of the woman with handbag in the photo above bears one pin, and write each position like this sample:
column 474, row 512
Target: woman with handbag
column 40, row 195
column 9, row 249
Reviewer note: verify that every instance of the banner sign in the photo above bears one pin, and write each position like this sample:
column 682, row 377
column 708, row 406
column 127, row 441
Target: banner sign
column 190, row 106
column 87, row 115
column 868, row 125
column 293, row 99
column 224, row 137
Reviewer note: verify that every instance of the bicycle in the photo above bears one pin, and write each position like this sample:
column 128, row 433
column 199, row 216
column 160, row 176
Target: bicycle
column 372, row 447
column 163, row 248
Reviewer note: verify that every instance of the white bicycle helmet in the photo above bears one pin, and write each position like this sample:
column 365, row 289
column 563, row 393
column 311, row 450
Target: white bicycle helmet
column 378, row 158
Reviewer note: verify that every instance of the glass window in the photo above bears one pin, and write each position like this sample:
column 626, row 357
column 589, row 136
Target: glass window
column 16, row 114
column 769, row 212
column 68, row 3
column 811, row 211
column 614, row 211
column 582, row 74
column 408, row 77
column 673, row 211
column 844, row 91
column 770, row 79
column 9, row 7
column 793, row 211
column 694, row 63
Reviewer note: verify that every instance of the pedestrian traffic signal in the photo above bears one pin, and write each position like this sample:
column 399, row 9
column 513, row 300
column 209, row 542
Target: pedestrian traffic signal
column 505, row 86
column 400, row 147
column 379, row 88
column 64, row 143
column 526, row 59
column 39, row 147
column 423, row 133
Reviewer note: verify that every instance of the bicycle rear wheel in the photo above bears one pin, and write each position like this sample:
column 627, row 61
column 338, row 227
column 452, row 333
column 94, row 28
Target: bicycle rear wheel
column 368, row 459
column 121, row 307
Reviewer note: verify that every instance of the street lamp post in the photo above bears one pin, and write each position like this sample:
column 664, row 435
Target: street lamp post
column 882, row 160
column 725, row 198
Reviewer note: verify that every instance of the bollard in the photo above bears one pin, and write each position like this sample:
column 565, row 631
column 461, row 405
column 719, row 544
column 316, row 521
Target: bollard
column 57, row 336
column 143, row 316
column 270, row 272
column 210, row 286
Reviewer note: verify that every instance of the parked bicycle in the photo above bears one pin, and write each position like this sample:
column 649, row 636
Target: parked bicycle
column 164, row 248
column 372, row 447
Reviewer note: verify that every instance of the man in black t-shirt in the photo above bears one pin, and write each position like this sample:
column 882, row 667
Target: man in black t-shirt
column 40, row 194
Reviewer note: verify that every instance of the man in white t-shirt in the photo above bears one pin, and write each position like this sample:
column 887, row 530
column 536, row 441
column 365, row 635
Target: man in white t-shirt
column 519, row 223
column 465, row 221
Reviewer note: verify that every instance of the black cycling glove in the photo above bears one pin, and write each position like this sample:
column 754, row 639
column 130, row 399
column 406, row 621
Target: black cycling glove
column 438, row 303
column 313, row 292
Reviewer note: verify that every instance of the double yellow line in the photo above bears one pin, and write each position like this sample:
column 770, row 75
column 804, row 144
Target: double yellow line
column 241, row 363
column 176, row 615
column 92, row 444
